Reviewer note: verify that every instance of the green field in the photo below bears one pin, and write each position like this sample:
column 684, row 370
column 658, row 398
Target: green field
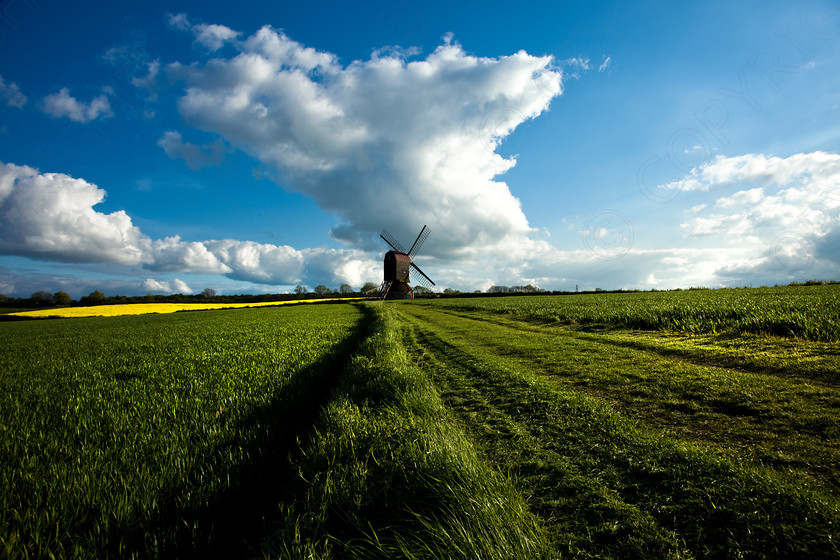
column 147, row 434
column 693, row 424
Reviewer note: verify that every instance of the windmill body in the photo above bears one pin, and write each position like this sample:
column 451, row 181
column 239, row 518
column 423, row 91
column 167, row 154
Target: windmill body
column 398, row 266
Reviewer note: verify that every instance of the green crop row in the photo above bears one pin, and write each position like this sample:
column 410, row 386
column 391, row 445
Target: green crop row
column 118, row 435
column 627, row 448
column 388, row 473
column 809, row 312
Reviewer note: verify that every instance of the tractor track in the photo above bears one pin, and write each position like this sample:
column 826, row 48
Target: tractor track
column 510, row 435
column 575, row 422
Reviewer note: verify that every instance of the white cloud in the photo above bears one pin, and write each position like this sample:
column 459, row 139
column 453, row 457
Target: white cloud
column 819, row 169
column 181, row 286
column 52, row 216
column 782, row 224
column 260, row 263
column 172, row 254
column 12, row 94
column 791, row 232
column 149, row 80
column 579, row 62
column 605, row 64
column 788, row 223
column 177, row 286
column 62, row 104
column 382, row 142
column 750, row 196
column 211, row 36
column 178, row 21
column 194, row 156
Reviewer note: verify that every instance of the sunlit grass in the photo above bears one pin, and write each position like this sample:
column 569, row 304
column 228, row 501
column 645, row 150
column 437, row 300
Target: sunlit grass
column 809, row 312
column 643, row 444
column 123, row 437
column 536, row 427
column 143, row 308
column 388, row 473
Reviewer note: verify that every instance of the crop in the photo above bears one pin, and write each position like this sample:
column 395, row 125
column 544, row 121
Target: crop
column 810, row 312
column 140, row 435
column 699, row 424
column 117, row 310
column 388, row 473
column 636, row 444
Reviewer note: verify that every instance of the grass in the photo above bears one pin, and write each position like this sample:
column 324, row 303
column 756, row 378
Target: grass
column 133, row 435
column 538, row 427
column 633, row 453
column 809, row 312
column 388, row 474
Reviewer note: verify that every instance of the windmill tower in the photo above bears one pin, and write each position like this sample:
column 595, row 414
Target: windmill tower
column 398, row 264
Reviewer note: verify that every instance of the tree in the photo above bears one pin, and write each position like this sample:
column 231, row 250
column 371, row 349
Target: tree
column 41, row 298
column 345, row 289
column 322, row 290
column 299, row 290
column 451, row 291
column 529, row 289
column 421, row 290
column 208, row 293
column 62, row 298
column 95, row 298
column 369, row 288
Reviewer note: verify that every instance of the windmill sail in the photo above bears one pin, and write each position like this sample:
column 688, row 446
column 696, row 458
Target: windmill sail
column 389, row 239
column 425, row 280
column 424, row 233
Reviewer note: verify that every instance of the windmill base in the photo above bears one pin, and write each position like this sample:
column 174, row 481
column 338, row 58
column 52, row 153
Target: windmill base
column 399, row 290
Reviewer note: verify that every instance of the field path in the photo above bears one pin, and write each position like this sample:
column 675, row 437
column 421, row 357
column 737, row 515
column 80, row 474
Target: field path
column 643, row 444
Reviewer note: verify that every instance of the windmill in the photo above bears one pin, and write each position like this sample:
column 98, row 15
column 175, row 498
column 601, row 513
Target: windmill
column 397, row 266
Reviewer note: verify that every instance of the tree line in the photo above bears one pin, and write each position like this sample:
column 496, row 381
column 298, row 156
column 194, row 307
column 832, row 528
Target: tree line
column 42, row 299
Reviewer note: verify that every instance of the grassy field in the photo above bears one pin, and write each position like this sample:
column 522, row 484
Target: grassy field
column 147, row 435
column 811, row 312
column 696, row 424
column 637, row 444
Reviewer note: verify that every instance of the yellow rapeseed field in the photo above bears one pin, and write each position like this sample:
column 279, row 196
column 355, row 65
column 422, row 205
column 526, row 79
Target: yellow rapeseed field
column 140, row 308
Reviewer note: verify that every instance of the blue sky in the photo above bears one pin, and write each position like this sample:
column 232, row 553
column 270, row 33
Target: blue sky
column 171, row 147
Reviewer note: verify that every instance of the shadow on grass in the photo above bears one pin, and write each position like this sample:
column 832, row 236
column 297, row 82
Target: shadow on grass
column 232, row 523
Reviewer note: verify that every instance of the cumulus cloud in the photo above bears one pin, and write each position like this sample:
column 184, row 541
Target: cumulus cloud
column 193, row 155
column 62, row 104
column 153, row 285
column 263, row 263
column 173, row 254
column 785, row 210
column 769, row 220
column 818, row 169
column 52, row 216
column 12, row 94
column 211, row 36
column 381, row 142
